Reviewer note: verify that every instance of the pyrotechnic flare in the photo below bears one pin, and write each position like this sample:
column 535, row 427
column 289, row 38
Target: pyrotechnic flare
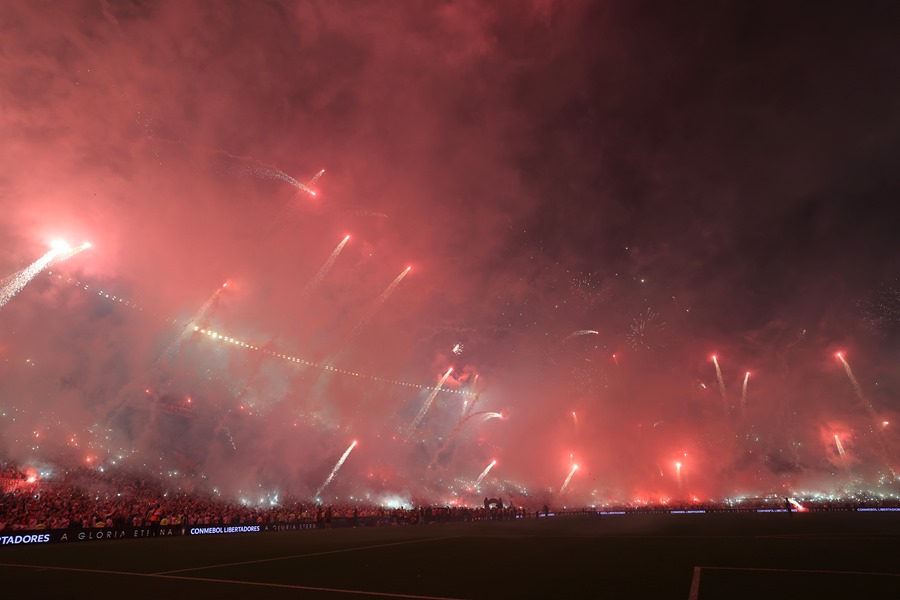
column 336, row 468
column 575, row 419
column 678, row 473
column 14, row 284
column 721, row 384
column 428, row 401
column 857, row 389
column 839, row 445
column 379, row 302
column 565, row 484
column 485, row 472
column 315, row 178
column 315, row 281
column 582, row 332
column 268, row 172
column 744, row 392
column 173, row 348
column 485, row 415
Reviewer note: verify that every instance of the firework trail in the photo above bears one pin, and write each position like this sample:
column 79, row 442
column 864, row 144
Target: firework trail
column 255, row 168
column 744, row 392
column 857, row 389
column 582, row 332
column 575, row 420
column 839, row 445
column 15, row 283
column 315, row 178
column 175, row 347
column 336, row 468
column 565, row 484
column 642, row 330
column 379, row 302
column 485, row 472
column 485, row 416
column 315, row 281
column 428, row 402
column 721, row 384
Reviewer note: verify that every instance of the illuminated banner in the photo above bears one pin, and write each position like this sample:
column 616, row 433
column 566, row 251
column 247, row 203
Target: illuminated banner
column 53, row 536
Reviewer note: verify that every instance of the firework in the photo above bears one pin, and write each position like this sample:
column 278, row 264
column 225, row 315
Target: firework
column 839, row 446
column 575, row 420
column 193, row 325
column 643, row 329
column 744, row 391
column 565, row 484
column 485, row 472
column 428, row 401
column 315, row 178
column 16, row 282
column 458, row 349
column 857, row 389
column 380, row 301
column 323, row 271
column 582, row 332
column 721, row 383
column 336, row 468
column 678, row 466
column 262, row 171
column 485, row 416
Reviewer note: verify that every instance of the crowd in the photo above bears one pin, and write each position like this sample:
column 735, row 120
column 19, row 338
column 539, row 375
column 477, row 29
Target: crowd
column 83, row 498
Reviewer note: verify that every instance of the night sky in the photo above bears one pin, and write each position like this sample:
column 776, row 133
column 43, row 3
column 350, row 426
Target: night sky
column 593, row 198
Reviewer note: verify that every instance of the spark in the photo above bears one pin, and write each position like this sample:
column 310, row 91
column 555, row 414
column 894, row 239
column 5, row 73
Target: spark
column 582, row 332
column 458, row 349
column 721, row 383
column 565, row 484
column 323, row 271
column 428, row 401
column 379, row 302
column 485, row 472
column 643, row 329
column 15, row 283
column 839, row 446
column 575, row 419
column 315, row 178
column 336, row 468
column 191, row 326
column 744, row 391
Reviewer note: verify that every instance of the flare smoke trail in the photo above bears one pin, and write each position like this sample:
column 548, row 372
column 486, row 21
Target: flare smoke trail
column 721, row 384
column 486, row 416
column 565, row 484
column 744, row 392
column 17, row 282
column 379, row 302
column 428, row 401
column 315, row 281
column 839, row 445
column 886, row 454
column 336, row 468
column 582, row 332
column 857, row 389
column 173, row 348
column 485, row 472
column 315, row 178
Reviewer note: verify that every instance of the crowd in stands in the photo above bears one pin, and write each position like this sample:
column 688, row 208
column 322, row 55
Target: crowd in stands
column 83, row 498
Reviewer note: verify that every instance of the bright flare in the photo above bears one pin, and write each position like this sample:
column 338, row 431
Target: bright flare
column 721, row 383
column 16, row 282
column 839, row 445
column 565, row 484
column 323, row 271
column 744, row 391
column 485, row 472
column 428, row 401
column 336, row 468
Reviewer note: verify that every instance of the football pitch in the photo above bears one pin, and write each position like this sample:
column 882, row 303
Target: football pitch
column 703, row 557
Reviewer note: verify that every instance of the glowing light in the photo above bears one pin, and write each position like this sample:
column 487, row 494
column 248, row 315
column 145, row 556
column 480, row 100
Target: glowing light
column 744, row 391
column 325, row 268
column 565, row 484
column 336, row 468
column 16, row 282
column 721, row 383
column 485, row 472
column 427, row 404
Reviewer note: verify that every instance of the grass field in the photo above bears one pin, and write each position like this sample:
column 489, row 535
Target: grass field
column 708, row 556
